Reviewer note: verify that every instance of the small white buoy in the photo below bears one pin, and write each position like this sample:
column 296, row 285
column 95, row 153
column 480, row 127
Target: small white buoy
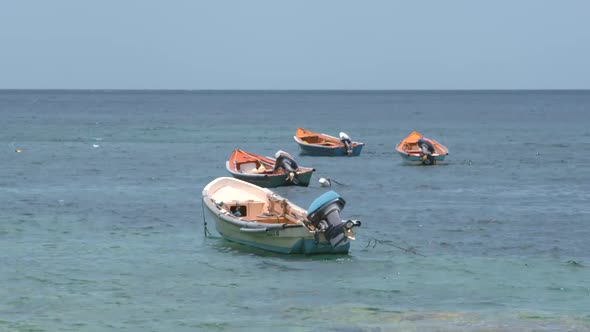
column 325, row 182
column 95, row 145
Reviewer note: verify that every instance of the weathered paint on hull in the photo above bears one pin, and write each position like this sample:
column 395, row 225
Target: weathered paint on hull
column 274, row 181
column 416, row 160
column 317, row 150
column 302, row 246
column 284, row 241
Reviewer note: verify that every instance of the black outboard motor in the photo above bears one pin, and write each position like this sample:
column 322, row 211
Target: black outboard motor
column 427, row 151
column 285, row 162
column 324, row 214
column 347, row 143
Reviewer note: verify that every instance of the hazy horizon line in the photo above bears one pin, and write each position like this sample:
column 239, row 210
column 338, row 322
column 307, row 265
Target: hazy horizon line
column 286, row 90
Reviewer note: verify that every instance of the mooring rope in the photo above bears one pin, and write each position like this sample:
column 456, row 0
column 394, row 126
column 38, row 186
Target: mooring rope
column 205, row 230
column 388, row 242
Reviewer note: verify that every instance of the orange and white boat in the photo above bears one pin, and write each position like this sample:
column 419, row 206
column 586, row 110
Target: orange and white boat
column 317, row 144
column 261, row 171
column 419, row 150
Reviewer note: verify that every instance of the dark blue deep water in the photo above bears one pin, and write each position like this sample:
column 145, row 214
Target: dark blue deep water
column 101, row 226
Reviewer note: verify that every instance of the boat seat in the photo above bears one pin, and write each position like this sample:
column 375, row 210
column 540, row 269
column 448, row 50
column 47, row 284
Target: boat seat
column 311, row 139
column 269, row 219
column 249, row 167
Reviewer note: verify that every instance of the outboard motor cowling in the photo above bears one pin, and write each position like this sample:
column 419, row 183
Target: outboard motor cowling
column 345, row 139
column 427, row 151
column 285, row 162
column 324, row 214
column 426, row 146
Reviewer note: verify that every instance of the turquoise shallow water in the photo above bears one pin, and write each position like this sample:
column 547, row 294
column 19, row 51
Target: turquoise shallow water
column 101, row 226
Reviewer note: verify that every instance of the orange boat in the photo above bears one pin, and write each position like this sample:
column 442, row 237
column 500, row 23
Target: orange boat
column 417, row 149
column 316, row 144
column 261, row 171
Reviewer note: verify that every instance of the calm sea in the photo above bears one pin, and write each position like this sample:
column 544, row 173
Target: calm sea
column 101, row 224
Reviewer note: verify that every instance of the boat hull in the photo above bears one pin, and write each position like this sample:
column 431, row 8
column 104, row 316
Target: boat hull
column 273, row 180
column 319, row 150
column 284, row 241
column 416, row 159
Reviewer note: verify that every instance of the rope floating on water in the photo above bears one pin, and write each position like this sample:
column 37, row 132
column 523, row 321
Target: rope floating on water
column 374, row 242
column 327, row 182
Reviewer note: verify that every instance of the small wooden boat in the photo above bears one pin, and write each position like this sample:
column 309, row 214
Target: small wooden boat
column 261, row 171
column 417, row 149
column 260, row 218
column 316, row 144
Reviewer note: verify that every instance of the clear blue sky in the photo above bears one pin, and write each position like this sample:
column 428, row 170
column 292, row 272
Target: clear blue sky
column 315, row 44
